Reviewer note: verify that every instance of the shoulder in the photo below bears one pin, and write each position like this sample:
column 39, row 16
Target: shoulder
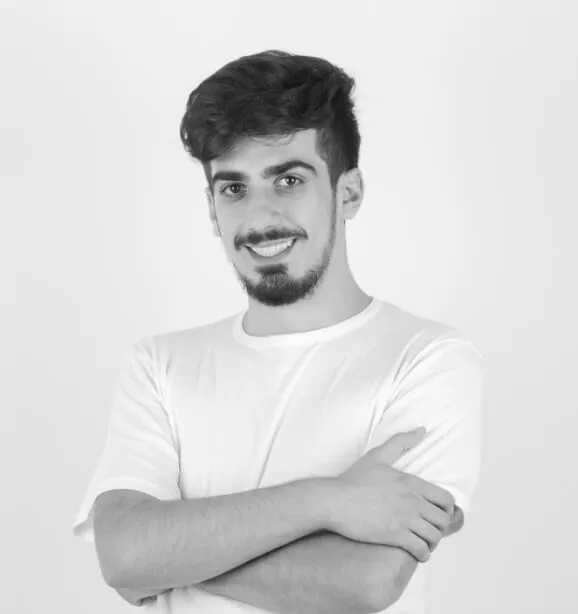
column 172, row 346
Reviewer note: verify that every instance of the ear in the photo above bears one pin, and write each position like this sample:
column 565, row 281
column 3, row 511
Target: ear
column 212, row 212
column 352, row 189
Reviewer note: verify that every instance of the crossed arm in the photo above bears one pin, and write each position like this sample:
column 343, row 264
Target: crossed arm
column 321, row 573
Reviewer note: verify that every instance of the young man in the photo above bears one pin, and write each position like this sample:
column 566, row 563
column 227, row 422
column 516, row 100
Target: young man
column 265, row 462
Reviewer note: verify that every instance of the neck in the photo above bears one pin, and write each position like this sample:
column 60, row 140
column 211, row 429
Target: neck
column 329, row 305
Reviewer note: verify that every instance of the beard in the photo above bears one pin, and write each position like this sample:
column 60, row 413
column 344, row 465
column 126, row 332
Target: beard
column 277, row 288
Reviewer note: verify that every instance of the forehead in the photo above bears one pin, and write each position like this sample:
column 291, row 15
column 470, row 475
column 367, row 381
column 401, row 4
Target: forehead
column 250, row 156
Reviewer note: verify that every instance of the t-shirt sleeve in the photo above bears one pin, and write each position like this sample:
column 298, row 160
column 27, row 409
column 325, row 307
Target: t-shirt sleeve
column 140, row 452
column 440, row 388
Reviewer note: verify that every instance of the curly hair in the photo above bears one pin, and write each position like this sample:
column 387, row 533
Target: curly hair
column 274, row 94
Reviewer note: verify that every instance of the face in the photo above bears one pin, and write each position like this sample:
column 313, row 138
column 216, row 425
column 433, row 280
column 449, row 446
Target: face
column 255, row 204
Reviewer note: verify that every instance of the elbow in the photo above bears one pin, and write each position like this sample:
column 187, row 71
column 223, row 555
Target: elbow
column 115, row 544
column 384, row 597
column 117, row 578
column 121, row 573
column 112, row 568
column 392, row 573
column 112, row 559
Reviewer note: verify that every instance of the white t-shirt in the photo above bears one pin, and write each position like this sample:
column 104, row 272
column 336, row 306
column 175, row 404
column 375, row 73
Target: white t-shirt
column 212, row 410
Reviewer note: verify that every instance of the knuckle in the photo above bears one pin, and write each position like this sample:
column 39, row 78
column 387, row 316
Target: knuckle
column 407, row 494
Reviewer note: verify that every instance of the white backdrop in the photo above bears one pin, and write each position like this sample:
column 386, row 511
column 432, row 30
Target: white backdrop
column 469, row 120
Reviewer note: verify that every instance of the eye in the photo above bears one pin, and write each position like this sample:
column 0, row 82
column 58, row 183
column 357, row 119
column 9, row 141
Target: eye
column 291, row 177
column 225, row 188
column 222, row 190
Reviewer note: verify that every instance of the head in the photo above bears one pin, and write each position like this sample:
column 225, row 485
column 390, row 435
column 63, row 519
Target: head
column 260, row 112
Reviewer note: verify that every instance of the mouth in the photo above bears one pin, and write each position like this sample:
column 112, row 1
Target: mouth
column 272, row 253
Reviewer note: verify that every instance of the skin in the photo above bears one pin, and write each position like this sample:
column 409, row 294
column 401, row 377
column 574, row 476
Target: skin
column 313, row 287
column 139, row 597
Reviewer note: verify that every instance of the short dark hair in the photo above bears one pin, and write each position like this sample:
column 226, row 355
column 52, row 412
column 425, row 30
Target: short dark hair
column 274, row 93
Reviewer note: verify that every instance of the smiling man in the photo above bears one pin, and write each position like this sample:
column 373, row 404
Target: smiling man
column 255, row 463
column 279, row 226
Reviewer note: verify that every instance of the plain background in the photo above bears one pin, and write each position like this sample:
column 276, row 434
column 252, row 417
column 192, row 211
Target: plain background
column 469, row 121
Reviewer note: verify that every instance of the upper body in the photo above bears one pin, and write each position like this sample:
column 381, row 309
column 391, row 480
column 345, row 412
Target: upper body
column 315, row 372
column 213, row 410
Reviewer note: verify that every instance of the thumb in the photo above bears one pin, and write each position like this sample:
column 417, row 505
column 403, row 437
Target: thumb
column 396, row 446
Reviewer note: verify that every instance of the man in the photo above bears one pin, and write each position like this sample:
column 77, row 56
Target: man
column 270, row 461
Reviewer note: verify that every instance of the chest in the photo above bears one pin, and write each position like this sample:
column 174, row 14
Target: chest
column 245, row 424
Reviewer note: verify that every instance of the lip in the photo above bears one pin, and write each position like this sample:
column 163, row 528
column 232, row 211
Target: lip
column 272, row 259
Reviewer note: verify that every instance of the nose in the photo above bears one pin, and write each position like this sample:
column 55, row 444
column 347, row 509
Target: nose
column 265, row 216
column 261, row 206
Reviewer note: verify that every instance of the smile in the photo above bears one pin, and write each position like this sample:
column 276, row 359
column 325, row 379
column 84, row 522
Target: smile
column 272, row 252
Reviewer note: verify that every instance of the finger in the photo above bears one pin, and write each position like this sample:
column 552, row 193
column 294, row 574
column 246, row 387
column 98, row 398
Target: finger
column 434, row 494
column 436, row 516
column 391, row 451
column 415, row 545
column 428, row 532
column 455, row 523
column 413, row 437
column 400, row 443
column 406, row 438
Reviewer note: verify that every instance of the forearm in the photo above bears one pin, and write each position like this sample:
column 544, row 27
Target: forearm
column 321, row 573
column 168, row 544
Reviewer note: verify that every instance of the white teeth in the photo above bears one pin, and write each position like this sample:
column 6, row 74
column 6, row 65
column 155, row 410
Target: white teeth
column 273, row 250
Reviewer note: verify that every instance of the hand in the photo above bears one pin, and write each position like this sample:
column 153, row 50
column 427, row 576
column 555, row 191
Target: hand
column 382, row 505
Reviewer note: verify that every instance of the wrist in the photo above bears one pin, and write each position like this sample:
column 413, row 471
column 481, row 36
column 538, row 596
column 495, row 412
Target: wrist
column 330, row 493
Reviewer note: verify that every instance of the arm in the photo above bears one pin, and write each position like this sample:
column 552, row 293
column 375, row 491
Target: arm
column 323, row 573
column 166, row 544
column 141, row 445
column 320, row 573
column 306, row 576
column 383, row 565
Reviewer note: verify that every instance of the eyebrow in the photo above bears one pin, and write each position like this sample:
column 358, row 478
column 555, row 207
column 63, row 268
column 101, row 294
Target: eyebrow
column 270, row 171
